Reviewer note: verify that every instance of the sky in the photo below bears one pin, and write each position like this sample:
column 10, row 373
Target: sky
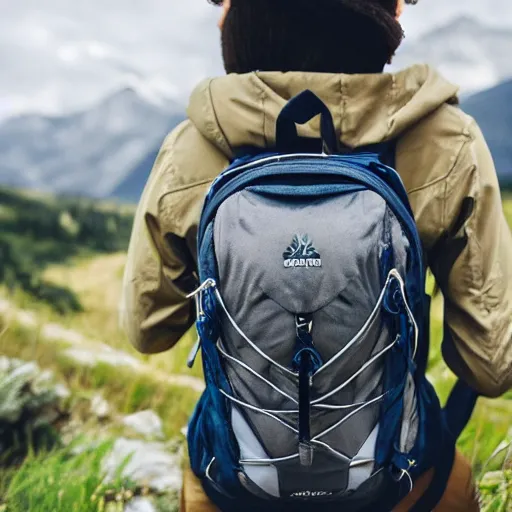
column 58, row 56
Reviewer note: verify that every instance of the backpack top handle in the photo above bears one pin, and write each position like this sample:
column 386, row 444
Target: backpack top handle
column 300, row 110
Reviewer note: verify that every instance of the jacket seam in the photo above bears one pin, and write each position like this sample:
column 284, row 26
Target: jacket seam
column 451, row 169
column 184, row 187
column 343, row 107
column 257, row 82
column 466, row 139
column 340, row 108
column 222, row 139
column 265, row 141
column 392, row 95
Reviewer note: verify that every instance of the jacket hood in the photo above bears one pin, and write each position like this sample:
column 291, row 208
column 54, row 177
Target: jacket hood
column 241, row 110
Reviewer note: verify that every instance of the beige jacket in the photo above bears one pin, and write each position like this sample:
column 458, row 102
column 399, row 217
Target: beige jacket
column 442, row 158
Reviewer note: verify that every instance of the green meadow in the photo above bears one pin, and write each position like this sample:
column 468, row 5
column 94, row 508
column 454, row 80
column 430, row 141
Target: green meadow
column 61, row 265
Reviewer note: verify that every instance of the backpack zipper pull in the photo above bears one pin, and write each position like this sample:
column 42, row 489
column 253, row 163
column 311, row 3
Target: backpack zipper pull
column 306, row 362
column 197, row 295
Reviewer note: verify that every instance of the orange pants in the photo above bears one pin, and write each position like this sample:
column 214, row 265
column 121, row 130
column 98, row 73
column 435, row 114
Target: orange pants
column 460, row 495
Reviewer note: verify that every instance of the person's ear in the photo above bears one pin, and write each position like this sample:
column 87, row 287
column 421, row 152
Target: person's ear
column 399, row 8
column 226, row 5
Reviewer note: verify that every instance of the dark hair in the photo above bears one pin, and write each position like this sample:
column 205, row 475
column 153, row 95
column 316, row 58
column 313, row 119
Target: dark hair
column 331, row 36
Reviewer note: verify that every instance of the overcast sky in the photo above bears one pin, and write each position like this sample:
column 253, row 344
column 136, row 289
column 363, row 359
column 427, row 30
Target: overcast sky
column 61, row 55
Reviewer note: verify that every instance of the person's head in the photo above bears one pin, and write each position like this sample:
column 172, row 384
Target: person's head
column 330, row 36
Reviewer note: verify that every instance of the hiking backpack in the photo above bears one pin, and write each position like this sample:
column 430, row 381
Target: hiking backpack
column 313, row 323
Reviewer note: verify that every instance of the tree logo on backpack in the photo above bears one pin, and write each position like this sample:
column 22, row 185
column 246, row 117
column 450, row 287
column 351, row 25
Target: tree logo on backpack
column 302, row 253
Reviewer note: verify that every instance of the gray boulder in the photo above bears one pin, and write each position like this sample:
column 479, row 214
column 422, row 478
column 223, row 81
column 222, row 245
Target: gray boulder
column 146, row 423
column 149, row 465
column 100, row 407
column 140, row 505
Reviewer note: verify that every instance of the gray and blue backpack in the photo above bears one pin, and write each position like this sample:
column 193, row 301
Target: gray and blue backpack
column 313, row 324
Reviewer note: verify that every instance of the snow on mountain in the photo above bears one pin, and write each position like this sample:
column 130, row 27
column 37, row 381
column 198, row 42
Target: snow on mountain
column 88, row 153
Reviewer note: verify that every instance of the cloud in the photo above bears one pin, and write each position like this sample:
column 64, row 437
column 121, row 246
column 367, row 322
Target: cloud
column 427, row 14
column 66, row 55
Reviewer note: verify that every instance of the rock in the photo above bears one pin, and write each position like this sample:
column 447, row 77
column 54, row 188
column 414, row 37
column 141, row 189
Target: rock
column 92, row 357
column 57, row 332
column 100, row 407
column 62, row 391
column 5, row 306
column 149, row 464
column 82, row 357
column 27, row 392
column 147, row 423
column 140, row 505
column 27, row 319
column 29, row 403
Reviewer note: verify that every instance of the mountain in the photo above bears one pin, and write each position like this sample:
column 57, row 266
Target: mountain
column 133, row 184
column 109, row 150
column 492, row 109
column 88, row 153
column 467, row 52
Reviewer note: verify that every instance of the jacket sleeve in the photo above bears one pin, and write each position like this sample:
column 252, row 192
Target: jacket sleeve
column 160, row 269
column 472, row 263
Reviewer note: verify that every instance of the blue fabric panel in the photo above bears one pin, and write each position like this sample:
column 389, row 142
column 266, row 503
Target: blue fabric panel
column 210, row 434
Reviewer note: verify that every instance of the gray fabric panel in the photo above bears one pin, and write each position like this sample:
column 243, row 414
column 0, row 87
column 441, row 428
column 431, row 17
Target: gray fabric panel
column 347, row 438
column 279, row 441
column 274, row 333
column 373, row 341
column 351, row 436
column 250, row 448
column 327, row 474
column 410, row 417
column 251, row 234
column 359, row 474
column 400, row 243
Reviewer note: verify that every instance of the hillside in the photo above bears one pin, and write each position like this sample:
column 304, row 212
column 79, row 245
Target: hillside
column 109, row 149
column 107, row 382
column 69, row 382
column 133, row 184
column 37, row 231
column 493, row 111
column 87, row 153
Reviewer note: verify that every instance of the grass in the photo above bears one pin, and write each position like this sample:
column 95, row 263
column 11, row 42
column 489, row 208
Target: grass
column 97, row 283
column 62, row 481
column 125, row 391
column 36, row 231
column 57, row 482
column 496, row 491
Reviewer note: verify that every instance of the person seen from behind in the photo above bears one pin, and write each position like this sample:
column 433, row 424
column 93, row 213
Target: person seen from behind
column 273, row 50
